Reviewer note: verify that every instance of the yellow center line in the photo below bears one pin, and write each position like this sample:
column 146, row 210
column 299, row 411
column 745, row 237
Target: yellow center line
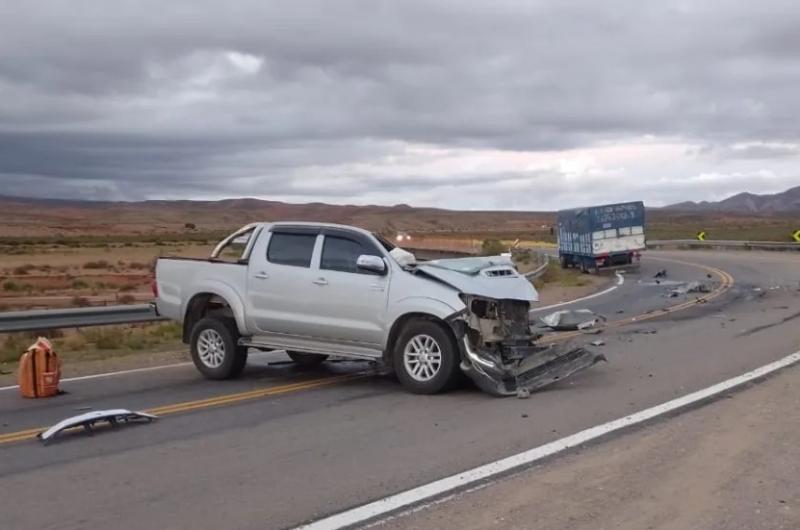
column 225, row 399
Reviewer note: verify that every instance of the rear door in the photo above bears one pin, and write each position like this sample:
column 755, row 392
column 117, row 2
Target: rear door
column 281, row 293
column 351, row 302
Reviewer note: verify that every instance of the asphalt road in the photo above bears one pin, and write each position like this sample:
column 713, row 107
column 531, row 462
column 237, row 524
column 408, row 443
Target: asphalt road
column 277, row 452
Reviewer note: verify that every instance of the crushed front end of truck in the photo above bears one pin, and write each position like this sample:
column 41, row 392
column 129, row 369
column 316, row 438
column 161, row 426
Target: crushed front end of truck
column 494, row 332
column 499, row 350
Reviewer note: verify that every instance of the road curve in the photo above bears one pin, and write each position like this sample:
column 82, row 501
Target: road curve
column 281, row 457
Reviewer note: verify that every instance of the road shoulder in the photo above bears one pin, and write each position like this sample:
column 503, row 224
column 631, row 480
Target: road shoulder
column 731, row 464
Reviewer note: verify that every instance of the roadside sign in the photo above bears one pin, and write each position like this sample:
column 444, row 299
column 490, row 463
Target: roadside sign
column 796, row 235
column 701, row 236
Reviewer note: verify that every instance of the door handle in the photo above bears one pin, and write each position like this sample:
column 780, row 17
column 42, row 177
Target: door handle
column 320, row 281
column 261, row 275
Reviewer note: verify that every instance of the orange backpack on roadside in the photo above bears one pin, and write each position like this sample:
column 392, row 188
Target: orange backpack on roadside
column 39, row 370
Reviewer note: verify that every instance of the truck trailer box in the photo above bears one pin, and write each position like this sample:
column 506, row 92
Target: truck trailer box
column 598, row 236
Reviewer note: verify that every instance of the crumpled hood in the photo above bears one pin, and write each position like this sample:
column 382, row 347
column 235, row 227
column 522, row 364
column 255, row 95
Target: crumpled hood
column 490, row 277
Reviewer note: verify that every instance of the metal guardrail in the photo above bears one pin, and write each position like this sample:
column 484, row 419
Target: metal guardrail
column 39, row 319
column 537, row 272
column 721, row 244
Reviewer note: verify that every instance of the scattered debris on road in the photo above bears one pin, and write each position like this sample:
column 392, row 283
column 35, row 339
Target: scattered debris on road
column 661, row 274
column 87, row 420
column 598, row 342
column 648, row 331
column 571, row 320
column 691, row 287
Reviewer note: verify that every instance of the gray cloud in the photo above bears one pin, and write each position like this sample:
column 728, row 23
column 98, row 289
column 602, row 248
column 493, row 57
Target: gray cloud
column 207, row 99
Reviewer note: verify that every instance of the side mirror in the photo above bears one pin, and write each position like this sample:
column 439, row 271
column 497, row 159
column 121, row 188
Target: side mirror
column 371, row 263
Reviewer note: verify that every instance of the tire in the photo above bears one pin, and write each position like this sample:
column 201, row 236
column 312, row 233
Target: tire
column 419, row 346
column 563, row 261
column 214, row 348
column 306, row 360
column 584, row 270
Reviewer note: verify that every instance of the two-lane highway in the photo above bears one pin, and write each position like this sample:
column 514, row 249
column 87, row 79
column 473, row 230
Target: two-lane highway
column 294, row 446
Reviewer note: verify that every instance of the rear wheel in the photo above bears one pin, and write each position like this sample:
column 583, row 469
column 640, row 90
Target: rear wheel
column 215, row 349
column 426, row 358
column 306, row 360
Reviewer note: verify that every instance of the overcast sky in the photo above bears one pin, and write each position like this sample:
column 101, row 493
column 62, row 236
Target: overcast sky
column 462, row 104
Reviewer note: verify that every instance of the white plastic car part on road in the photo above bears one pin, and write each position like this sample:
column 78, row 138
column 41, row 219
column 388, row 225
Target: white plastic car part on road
column 88, row 419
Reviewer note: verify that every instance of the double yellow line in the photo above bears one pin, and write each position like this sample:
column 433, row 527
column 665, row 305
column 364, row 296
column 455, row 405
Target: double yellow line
column 226, row 399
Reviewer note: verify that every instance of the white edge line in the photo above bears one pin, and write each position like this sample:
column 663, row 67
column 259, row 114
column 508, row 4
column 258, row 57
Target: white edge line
column 109, row 374
column 413, row 496
column 620, row 281
column 121, row 372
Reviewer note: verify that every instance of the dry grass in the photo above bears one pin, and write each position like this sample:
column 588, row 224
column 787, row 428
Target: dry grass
column 97, row 343
column 555, row 275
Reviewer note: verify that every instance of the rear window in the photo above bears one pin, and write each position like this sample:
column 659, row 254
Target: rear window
column 291, row 249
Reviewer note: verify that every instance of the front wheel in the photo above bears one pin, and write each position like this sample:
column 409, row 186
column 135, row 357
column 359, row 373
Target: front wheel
column 426, row 358
column 215, row 351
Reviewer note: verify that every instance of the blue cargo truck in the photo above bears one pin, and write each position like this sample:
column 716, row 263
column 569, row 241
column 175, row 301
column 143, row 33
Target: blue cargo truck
column 601, row 236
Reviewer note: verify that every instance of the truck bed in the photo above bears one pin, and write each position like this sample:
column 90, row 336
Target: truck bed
column 175, row 275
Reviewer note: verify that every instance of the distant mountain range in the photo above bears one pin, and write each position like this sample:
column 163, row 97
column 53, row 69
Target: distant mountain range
column 774, row 203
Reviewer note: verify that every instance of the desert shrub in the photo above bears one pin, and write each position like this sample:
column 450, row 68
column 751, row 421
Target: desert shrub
column 80, row 301
column 105, row 338
column 492, row 247
column 189, row 226
column 167, row 330
column 137, row 265
column 13, row 346
column 24, row 269
column 10, row 286
column 79, row 284
column 127, row 288
column 99, row 264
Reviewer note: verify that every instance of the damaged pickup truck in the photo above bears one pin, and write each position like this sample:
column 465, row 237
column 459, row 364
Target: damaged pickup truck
column 316, row 290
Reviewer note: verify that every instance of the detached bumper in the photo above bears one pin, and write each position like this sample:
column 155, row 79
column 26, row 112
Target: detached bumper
column 535, row 367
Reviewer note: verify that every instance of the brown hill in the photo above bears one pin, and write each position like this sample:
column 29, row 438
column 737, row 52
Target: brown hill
column 23, row 217
column 775, row 203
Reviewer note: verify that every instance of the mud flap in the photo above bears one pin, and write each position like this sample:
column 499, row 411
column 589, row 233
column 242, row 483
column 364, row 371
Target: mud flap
column 537, row 370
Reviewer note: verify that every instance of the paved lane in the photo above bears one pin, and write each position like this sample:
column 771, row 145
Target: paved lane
column 277, row 461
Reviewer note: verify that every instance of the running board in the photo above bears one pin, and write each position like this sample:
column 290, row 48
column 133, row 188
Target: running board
column 306, row 345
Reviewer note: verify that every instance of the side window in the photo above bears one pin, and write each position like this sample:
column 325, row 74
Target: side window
column 291, row 249
column 341, row 254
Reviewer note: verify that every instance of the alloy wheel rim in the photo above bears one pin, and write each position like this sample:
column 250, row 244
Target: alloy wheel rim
column 422, row 358
column 211, row 348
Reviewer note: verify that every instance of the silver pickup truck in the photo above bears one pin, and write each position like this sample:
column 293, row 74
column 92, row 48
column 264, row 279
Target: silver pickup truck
column 316, row 290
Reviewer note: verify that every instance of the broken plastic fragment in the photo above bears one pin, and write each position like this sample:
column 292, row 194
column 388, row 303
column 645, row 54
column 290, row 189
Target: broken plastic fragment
column 571, row 319
column 88, row 419
column 691, row 287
